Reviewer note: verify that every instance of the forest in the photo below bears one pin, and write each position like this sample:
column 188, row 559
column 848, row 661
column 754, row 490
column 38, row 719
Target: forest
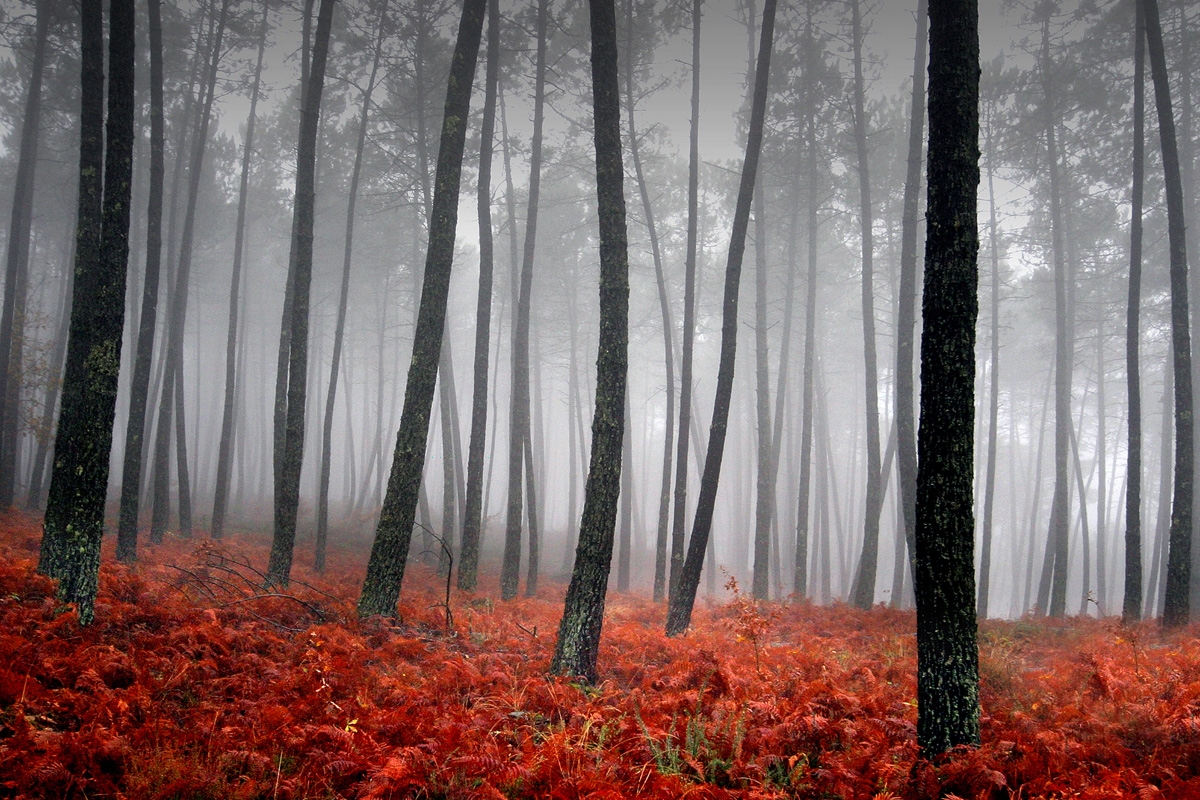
column 865, row 327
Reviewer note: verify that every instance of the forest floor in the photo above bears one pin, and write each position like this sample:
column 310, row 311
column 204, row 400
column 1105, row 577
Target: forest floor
column 193, row 683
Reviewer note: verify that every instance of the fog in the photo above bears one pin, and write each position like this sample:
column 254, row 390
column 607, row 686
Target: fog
column 1091, row 47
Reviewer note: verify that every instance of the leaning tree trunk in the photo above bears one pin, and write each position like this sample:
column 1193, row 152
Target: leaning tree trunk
column 225, row 448
column 287, row 485
column 135, row 430
column 679, row 610
column 947, row 652
column 17, row 264
column 389, row 554
column 679, row 521
column 863, row 594
column 343, row 297
column 1131, row 609
column 519, row 410
column 578, row 643
column 1179, row 558
column 74, row 522
column 468, row 560
column 635, row 152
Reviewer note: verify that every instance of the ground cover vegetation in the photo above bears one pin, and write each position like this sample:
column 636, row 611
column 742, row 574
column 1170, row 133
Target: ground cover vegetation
column 194, row 682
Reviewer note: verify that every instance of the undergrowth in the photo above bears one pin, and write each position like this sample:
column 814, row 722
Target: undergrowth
column 193, row 683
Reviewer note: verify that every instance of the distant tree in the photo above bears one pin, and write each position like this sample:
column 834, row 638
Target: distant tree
column 947, row 653
column 300, row 261
column 339, row 330
column 16, row 267
column 578, row 642
column 389, row 553
column 1179, row 559
column 74, row 521
column 519, row 409
column 1131, row 610
column 1052, row 588
column 635, row 152
column 225, row 447
column 679, row 608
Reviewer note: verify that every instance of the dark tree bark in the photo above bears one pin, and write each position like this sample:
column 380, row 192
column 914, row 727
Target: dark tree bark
column 74, row 522
column 1131, row 608
column 679, row 521
column 225, row 448
column 389, row 554
column 518, row 423
column 578, row 642
column 135, row 430
column 16, row 267
column 1179, row 554
column 906, row 440
column 679, row 609
column 283, row 356
column 947, row 654
column 339, row 330
column 863, row 593
column 287, row 484
column 468, row 560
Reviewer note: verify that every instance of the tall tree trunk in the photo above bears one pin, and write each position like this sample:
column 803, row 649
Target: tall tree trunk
column 225, row 452
column 863, row 594
column 135, row 430
column 679, row 521
column 468, row 560
column 1131, row 608
column 1102, row 476
column 947, row 652
column 1179, row 560
column 679, row 610
column 343, row 300
column 519, row 410
column 389, row 553
column 906, row 442
column 578, row 642
column 17, row 264
column 74, row 522
column 989, row 491
column 287, row 485
column 55, row 559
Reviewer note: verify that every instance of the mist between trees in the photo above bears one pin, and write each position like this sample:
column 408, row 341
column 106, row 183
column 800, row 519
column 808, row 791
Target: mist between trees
column 812, row 424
